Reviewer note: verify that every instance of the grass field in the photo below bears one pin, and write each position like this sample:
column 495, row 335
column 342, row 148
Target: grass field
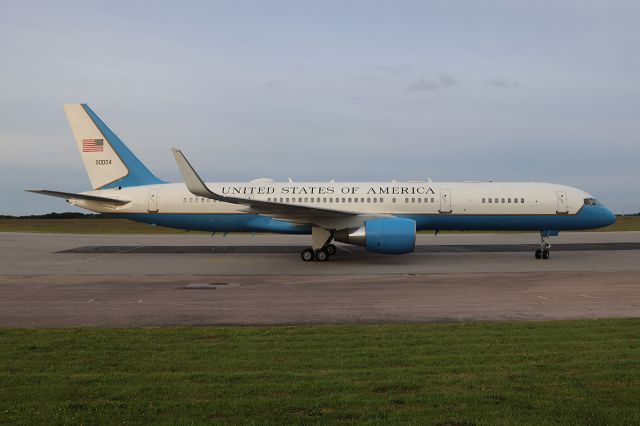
column 535, row 373
column 123, row 226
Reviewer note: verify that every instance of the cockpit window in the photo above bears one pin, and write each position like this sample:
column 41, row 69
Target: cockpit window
column 591, row 202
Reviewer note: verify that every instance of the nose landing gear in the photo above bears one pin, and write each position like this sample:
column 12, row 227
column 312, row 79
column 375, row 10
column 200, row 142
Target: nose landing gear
column 543, row 252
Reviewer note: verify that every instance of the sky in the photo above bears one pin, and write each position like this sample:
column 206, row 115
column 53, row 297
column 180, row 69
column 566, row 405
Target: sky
column 545, row 91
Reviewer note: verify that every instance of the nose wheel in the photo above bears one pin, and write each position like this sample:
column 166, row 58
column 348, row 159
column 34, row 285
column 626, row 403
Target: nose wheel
column 543, row 252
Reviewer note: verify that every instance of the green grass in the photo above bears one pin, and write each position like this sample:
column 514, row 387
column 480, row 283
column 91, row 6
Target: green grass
column 537, row 373
column 123, row 226
column 624, row 223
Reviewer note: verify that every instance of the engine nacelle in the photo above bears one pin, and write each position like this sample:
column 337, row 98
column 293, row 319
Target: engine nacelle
column 388, row 236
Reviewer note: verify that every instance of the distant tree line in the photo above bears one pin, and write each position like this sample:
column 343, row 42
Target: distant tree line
column 67, row 215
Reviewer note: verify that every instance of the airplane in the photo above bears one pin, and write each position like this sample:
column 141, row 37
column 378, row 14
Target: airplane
column 381, row 216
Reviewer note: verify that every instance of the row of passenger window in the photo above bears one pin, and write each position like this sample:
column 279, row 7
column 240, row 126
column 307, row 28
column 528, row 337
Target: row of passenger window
column 419, row 200
column 198, row 200
column 346, row 200
column 497, row 200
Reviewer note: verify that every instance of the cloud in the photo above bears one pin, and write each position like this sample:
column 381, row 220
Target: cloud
column 394, row 70
column 423, row 84
column 501, row 83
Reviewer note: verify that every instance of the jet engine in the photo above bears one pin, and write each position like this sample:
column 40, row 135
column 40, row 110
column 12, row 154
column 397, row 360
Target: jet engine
column 388, row 236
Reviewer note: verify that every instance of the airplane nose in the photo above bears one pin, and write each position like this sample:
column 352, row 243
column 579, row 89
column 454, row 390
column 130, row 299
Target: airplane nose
column 611, row 217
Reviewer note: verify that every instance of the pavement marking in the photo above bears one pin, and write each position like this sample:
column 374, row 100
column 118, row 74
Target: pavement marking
column 139, row 301
column 541, row 297
column 91, row 301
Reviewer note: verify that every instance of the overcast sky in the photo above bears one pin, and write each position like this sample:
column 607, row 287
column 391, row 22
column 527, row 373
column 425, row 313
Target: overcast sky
column 477, row 90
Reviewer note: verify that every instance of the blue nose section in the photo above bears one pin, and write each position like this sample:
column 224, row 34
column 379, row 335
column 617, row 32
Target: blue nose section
column 610, row 218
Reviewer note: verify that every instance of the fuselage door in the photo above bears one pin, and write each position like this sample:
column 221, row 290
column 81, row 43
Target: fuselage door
column 153, row 201
column 445, row 200
column 562, row 202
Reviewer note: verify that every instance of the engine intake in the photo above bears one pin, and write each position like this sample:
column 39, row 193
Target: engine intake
column 388, row 236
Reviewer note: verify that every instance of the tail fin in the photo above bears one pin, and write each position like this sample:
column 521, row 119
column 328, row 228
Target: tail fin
column 108, row 161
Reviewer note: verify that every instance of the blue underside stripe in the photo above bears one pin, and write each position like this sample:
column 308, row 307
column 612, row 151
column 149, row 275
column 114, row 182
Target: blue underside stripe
column 139, row 174
column 589, row 217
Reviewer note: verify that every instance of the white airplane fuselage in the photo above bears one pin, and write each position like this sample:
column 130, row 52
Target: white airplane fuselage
column 433, row 205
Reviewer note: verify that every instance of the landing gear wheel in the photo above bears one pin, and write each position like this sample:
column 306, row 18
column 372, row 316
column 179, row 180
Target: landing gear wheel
column 545, row 254
column 539, row 254
column 307, row 255
column 331, row 249
column 322, row 255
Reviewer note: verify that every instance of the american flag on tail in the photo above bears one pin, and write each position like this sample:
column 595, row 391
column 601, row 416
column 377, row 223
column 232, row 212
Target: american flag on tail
column 92, row 145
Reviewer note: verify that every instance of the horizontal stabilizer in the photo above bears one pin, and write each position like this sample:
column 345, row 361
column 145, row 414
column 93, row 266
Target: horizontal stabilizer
column 73, row 196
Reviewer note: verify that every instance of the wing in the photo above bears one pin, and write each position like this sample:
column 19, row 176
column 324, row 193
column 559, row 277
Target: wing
column 318, row 216
column 73, row 196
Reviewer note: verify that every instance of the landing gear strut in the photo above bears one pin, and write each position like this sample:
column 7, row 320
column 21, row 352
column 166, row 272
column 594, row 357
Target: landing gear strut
column 545, row 245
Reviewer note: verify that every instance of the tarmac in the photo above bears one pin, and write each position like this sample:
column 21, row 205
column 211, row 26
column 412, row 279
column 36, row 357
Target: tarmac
column 56, row 280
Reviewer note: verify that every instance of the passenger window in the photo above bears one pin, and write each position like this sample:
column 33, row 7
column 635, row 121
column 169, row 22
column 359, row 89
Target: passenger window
column 355, row 200
column 324, row 200
column 331, row 200
column 368, row 200
column 184, row 200
column 503, row 201
column 419, row 200
column 191, row 200
column 490, row 200
column 280, row 199
column 433, row 200
column 349, row 199
column 406, row 200
column 343, row 200
column 393, row 200
column 375, row 200
column 413, row 200
column 382, row 200
column 484, row 200
column 306, row 200
column 522, row 200
column 508, row 200
column 287, row 199
column 515, row 200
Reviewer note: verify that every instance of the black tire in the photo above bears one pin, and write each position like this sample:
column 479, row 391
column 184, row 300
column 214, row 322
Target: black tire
column 322, row 255
column 331, row 249
column 545, row 254
column 307, row 255
column 538, row 254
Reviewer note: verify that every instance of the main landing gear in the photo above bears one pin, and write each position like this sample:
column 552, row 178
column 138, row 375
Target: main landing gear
column 321, row 255
column 321, row 248
column 545, row 245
